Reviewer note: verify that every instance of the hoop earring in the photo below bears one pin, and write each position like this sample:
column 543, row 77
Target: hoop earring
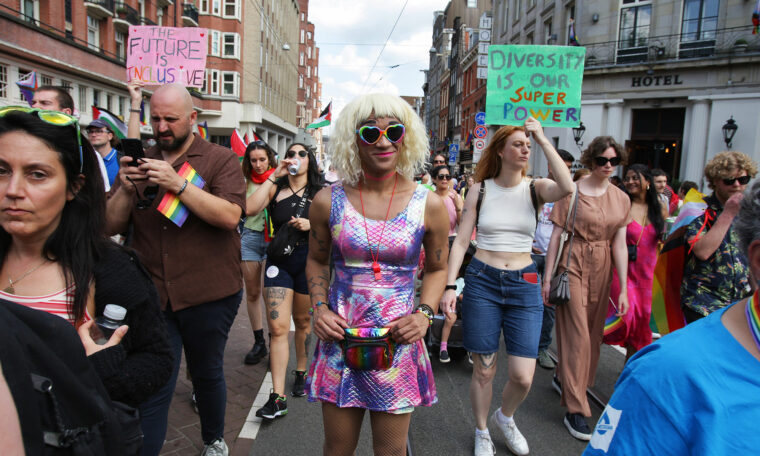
column 647, row 188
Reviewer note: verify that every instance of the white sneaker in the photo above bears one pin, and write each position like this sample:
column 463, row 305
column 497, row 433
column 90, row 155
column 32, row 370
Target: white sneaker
column 484, row 445
column 216, row 448
column 515, row 440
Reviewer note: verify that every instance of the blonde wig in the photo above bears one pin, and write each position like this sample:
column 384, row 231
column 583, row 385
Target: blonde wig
column 344, row 151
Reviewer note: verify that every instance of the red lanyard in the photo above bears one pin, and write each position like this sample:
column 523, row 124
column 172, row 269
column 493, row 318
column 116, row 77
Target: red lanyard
column 375, row 257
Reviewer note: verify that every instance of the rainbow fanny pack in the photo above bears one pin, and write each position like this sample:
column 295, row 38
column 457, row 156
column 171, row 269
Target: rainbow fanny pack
column 368, row 348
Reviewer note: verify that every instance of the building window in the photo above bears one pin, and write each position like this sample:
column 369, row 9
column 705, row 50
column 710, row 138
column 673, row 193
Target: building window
column 300, row 59
column 203, row 6
column 634, row 25
column 308, row 52
column 22, row 73
column 108, row 102
column 700, row 20
column 300, row 81
column 516, row 16
column 82, row 98
column 229, row 83
column 95, row 97
column 93, row 33
column 302, row 41
column 46, row 80
column 121, row 52
column 213, row 85
column 215, row 37
column 3, row 81
column 230, row 46
column 472, row 3
column 232, row 9
column 308, row 72
column 122, row 111
column 216, row 7
column 30, row 10
column 308, row 36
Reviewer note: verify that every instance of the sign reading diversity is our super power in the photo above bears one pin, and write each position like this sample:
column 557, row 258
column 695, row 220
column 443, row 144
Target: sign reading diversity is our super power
column 530, row 80
column 165, row 55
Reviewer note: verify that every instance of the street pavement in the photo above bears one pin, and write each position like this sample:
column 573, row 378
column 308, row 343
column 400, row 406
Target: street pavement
column 447, row 428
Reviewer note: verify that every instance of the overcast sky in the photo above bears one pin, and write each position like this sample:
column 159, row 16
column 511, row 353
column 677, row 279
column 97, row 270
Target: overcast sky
column 350, row 35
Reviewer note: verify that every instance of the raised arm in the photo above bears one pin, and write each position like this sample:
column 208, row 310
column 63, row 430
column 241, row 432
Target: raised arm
column 264, row 194
column 709, row 242
column 136, row 96
column 549, row 190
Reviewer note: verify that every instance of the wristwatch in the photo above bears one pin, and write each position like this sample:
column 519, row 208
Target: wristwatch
column 425, row 310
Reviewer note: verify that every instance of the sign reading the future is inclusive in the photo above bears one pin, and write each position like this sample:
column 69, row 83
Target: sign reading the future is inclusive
column 539, row 81
column 165, row 55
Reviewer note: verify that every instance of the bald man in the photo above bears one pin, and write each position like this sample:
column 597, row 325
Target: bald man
column 196, row 264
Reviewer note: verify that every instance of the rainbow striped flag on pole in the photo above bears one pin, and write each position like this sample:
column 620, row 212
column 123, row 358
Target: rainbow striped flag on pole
column 171, row 206
column 203, row 130
column 667, row 315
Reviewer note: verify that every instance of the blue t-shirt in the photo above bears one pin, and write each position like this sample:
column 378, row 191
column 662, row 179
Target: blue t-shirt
column 112, row 165
column 695, row 391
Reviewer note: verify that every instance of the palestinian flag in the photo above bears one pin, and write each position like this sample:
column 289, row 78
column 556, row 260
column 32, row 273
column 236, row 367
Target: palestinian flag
column 324, row 118
column 255, row 136
column 203, row 130
column 117, row 126
column 238, row 143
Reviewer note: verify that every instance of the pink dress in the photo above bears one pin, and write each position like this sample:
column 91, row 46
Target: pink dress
column 635, row 331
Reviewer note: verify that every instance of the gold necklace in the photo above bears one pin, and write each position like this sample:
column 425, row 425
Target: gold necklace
column 10, row 289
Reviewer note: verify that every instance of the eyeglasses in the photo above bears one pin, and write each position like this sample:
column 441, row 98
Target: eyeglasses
column 56, row 118
column 439, row 162
column 292, row 153
column 370, row 134
column 601, row 161
column 91, row 131
column 443, row 176
column 744, row 180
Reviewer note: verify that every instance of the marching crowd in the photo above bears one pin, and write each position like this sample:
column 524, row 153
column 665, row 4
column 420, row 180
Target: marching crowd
column 342, row 259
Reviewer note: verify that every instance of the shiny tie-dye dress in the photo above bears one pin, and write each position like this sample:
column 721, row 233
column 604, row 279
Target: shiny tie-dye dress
column 365, row 302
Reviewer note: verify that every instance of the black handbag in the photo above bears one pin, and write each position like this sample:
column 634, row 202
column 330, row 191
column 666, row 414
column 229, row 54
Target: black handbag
column 559, row 290
column 287, row 237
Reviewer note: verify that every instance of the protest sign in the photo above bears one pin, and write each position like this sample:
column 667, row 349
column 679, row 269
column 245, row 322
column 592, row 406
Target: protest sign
column 539, row 81
column 165, row 55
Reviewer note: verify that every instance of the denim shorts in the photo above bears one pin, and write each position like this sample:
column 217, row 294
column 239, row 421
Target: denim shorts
column 252, row 245
column 501, row 300
column 291, row 273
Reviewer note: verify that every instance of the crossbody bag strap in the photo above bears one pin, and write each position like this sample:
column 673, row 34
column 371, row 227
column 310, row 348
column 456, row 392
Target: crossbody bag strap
column 302, row 203
column 564, row 235
column 534, row 198
column 572, row 234
column 481, row 195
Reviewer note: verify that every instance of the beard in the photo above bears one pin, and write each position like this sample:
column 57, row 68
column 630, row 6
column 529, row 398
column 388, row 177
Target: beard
column 170, row 145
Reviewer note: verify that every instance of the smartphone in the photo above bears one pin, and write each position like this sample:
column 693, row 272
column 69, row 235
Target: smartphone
column 133, row 148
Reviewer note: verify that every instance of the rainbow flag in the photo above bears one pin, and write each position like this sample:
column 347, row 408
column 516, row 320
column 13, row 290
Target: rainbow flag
column 612, row 324
column 171, row 206
column 203, row 130
column 667, row 315
column 28, row 85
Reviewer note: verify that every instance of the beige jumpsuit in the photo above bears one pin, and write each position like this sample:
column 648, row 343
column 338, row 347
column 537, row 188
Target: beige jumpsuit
column 580, row 323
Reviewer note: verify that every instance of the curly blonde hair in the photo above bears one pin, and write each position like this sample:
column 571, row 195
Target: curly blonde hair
column 726, row 164
column 344, row 151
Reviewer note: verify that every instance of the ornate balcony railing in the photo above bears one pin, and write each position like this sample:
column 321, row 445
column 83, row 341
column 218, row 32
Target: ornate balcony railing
column 712, row 44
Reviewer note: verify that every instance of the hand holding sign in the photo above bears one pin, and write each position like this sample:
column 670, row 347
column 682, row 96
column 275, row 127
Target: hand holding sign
column 165, row 55
column 539, row 81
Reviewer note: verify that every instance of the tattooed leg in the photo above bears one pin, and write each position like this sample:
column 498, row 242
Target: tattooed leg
column 279, row 302
column 302, row 322
column 481, row 386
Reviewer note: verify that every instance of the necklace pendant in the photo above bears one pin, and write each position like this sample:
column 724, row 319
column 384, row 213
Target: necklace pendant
column 9, row 289
column 376, row 270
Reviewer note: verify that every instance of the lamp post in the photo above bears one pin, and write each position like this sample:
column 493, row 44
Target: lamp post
column 578, row 134
column 729, row 130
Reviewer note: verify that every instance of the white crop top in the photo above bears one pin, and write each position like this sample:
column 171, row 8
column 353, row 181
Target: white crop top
column 507, row 218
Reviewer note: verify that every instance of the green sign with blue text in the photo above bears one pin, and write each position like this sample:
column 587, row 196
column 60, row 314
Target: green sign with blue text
column 540, row 81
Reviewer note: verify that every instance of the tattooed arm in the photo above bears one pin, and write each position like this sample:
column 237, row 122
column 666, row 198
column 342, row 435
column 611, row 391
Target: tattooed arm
column 327, row 324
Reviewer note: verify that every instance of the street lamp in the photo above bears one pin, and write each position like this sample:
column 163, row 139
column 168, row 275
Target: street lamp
column 578, row 134
column 729, row 130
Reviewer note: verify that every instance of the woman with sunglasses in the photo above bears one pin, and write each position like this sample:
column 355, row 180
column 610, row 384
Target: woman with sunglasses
column 258, row 164
column 502, row 291
column 285, row 288
column 56, row 258
column 598, row 233
column 373, row 226
column 648, row 216
column 453, row 202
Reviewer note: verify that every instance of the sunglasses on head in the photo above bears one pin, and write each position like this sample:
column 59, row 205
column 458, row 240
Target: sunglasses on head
column 744, row 180
column 56, row 118
column 258, row 143
column 370, row 134
column 601, row 161
column 292, row 153
column 443, row 176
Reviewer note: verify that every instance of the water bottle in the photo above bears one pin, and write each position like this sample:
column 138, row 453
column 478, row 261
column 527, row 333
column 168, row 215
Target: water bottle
column 293, row 169
column 106, row 324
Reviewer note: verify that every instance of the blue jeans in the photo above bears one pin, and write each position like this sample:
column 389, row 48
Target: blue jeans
column 203, row 330
column 500, row 301
column 548, row 322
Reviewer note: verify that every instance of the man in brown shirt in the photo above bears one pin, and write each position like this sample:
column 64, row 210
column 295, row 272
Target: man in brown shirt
column 195, row 266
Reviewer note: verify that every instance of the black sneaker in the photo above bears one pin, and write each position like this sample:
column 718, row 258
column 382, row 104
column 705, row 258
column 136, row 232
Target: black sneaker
column 276, row 406
column 557, row 385
column 258, row 351
column 577, row 426
column 299, row 384
column 443, row 356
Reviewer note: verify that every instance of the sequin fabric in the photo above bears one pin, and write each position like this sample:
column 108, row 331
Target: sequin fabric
column 365, row 302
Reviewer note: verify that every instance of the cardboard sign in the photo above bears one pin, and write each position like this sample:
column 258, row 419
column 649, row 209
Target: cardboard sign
column 540, row 81
column 165, row 55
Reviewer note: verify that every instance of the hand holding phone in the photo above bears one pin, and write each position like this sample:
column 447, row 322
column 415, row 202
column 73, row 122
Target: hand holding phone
column 133, row 148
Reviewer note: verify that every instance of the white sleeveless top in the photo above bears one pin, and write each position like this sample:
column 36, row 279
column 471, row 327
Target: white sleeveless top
column 507, row 218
